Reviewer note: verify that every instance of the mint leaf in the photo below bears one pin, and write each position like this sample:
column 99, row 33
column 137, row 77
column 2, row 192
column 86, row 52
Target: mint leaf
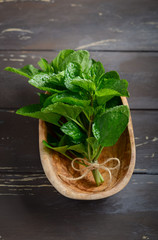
column 74, row 82
column 88, row 111
column 110, row 88
column 72, row 70
column 67, row 97
column 34, row 110
column 72, row 130
column 60, row 58
column 111, row 75
column 48, row 82
column 115, row 84
column 80, row 148
column 110, row 125
column 85, row 84
column 45, row 66
column 96, row 72
column 66, row 56
column 99, row 110
column 105, row 95
column 105, row 76
column 27, row 71
column 63, row 109
column 61, row 149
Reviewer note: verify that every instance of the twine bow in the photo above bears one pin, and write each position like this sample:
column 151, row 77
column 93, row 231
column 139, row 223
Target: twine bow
column 91, row 166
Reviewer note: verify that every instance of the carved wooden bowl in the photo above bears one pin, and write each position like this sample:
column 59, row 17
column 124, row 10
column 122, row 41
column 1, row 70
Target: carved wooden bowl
column 54, row 165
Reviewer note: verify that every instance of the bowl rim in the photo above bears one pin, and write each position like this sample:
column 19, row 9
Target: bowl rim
column 46, row 157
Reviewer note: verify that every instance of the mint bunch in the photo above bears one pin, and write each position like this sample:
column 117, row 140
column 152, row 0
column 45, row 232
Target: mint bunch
column 81, row 101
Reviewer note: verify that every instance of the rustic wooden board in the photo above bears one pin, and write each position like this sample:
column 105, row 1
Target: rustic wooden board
column 31, row 209
column 102, row 24
column 121, row 34
column 19, row 142
column 140, row 69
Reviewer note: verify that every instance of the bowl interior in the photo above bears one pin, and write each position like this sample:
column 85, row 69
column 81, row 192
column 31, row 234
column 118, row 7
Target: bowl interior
column 62, row 166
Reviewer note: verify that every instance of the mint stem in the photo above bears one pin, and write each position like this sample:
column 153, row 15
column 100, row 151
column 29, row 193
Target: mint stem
column 98, row 153
column 97, row 177
column 80, row 125
column 96, row 174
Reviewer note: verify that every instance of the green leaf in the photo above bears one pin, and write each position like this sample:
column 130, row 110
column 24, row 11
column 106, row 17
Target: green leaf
column 111, row 74
column 48, row 82
column 111, row 88
column 105, row 95
column 27, row 71
column 72, row 130
column 61, row 149
column 45, row 66
column 63, row 109
column 80, row 148
column 34, row 110
column 99, row 110
column 85, row 84
column 115, row 84
column 110, row 125
column 72, row 70
column 88, row 111
column 81, row 57
column 67, row 97
column 60, row 58
column 105, row 76
column 66, row 56
column 96, row 72
column 74, row 82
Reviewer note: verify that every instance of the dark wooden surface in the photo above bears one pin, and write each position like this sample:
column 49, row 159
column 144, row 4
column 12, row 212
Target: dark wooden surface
column 123, row 35
column 100, row 25
column 31, row 209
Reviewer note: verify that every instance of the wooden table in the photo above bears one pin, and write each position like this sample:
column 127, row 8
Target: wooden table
column 123, row 35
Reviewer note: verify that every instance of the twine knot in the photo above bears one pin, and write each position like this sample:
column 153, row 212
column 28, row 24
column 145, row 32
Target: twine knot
column 89, row 166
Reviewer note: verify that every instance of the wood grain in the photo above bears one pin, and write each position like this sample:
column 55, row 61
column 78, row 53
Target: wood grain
column 100, row 25
column 19, row 142
column 140, row 69
column 31, row 209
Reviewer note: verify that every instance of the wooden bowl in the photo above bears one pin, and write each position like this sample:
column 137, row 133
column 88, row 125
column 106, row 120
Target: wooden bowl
column 54, row 165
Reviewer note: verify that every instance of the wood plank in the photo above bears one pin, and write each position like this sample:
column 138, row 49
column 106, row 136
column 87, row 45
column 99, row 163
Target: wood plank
column 19, row 142
column 140, row 69
column 102, row 24
column 31, row 209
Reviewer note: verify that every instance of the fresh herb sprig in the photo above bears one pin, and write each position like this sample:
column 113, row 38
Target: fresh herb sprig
column 81, row 101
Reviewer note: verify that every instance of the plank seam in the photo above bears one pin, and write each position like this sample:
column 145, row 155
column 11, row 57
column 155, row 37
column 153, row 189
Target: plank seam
column 90, row 50
column 132, row 109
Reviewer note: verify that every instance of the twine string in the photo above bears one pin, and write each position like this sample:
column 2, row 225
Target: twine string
column 91, row 166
